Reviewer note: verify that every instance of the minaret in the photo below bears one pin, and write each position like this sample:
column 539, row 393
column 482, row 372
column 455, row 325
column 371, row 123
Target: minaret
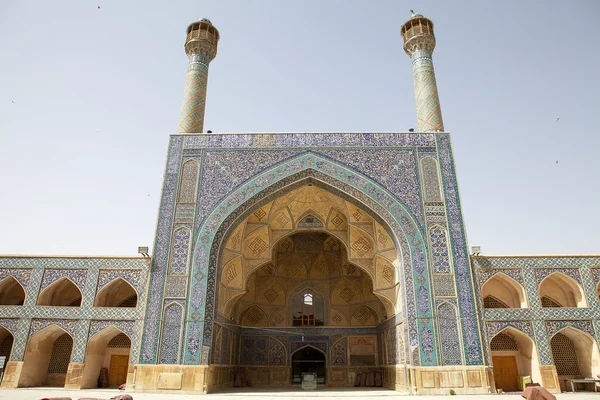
column 201, row 48
column 419, row 42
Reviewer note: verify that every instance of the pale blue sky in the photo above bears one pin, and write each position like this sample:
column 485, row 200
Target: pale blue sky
column 96, row 93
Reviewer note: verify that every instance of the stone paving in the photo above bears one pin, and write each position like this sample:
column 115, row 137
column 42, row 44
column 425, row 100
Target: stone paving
column 264, row 393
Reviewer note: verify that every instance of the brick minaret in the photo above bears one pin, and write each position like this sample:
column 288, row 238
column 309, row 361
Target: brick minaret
column 419, row 42
column 201, row 48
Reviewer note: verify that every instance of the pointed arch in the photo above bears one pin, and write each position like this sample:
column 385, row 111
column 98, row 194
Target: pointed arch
column 513, row 344
column 285, row 177
column 98, row 354
column 6, row 343
column 11, row 292
column 431, row 180
column 117, row 293
column 575, row 353
column 61, row 293
column 502, row 289
column 189, row 182
column 47, row 357
column 563, row 290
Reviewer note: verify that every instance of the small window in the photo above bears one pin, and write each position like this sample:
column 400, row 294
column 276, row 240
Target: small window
column 308, row 309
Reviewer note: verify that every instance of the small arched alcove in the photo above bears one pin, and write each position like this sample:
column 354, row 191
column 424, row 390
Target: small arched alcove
column 6, row 343
column 560, row 290
column 108, row 349
column 117, row 293
column 308, row 360
column 575, row 354
column 11, row 292
column 47, row 358
column 62, row 293
column 502, row 291
column 513, row 354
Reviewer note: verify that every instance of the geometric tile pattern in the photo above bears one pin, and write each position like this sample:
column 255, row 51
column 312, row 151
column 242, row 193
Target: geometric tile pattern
column 207, row 235
column 540, row 323
column 90, row 275
column 469, row 323
column 240, row 171
column 429, row 113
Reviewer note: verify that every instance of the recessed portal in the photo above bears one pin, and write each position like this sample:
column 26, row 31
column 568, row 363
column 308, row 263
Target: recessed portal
column 307, row 360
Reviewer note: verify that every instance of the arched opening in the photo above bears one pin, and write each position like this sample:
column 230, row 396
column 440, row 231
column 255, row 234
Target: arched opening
column 6, row 344
column 11, row 292
column 47, row 358
column 306, row 259
column 575, row 355
column 106, row 359
column 560, row 290
column 308, row 360
column 308, row 309
column 117, row 293
column 513, row 355
column 502, row 291
column 62, row 293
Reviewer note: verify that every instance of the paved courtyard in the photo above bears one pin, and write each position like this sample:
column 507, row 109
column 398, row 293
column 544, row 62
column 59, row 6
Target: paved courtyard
column 262, row 393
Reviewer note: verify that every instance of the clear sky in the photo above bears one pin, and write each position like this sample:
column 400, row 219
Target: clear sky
column 88, row 97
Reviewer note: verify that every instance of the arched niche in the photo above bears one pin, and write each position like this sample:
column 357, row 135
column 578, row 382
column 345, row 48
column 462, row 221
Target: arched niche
column 6, row 343
column 47, row 358
column 309, row 359
column 575, row 354
column 62, row 293
column 514, row 354
column 502, row 290
column 110, row 349
column 117, row 293
column 562, row 290
column 11, row 292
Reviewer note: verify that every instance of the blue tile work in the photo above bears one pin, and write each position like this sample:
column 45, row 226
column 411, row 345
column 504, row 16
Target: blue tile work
column 282, row 176
column 449, row 336
column 77, row 276
column 378, row 171
column 537, row 322
column 467, row 302
column 88, row 273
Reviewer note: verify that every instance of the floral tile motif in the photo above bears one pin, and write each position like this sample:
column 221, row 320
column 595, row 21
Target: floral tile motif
column 77, row 276
column 131, row 276
column 21, row 275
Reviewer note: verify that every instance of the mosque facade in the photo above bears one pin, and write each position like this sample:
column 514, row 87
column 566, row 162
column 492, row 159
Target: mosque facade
column 283, row 255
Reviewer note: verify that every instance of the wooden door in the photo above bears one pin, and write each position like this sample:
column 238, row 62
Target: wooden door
column 505, row 372
column 117, row 373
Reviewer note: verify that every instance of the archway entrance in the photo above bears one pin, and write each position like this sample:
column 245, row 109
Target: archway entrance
column 308, row 360
column 106, row 359
column 513, row 355
column 47, row 358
